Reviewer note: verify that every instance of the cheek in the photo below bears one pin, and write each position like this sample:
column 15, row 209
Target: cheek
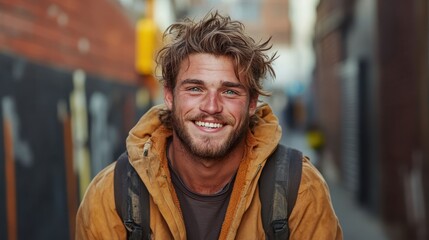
column 187, row 102
column 184, row 105
column 240, row 110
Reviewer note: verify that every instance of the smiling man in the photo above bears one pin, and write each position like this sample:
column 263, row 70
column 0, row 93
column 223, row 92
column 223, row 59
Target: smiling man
column 200, row 155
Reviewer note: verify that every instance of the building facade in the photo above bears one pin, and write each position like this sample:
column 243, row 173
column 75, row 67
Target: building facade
column 371, row 84
column 69, row 94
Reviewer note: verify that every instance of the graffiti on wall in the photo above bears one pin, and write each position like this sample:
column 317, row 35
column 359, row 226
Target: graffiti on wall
column 21, row 149
column 104, row 136
column 79, row 120
column 58, row 129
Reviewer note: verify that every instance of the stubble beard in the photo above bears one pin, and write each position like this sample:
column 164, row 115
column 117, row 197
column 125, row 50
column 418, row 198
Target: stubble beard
column 206, row 148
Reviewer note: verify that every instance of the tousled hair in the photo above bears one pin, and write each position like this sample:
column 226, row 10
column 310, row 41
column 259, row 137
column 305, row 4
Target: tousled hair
column 218, row 35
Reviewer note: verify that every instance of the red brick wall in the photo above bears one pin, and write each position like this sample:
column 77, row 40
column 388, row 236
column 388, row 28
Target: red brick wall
column 402, row 101
column 328, row 46
column 401, row 73
column 276, row 20
column 51, row 31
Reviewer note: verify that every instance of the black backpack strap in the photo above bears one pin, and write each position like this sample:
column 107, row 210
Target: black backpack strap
column 131, row 200
column 278, row 190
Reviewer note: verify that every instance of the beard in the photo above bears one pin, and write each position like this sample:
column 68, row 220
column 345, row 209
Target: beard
column 208, row 147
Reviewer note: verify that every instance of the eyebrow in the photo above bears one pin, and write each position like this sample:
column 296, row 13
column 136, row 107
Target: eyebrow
column 233, row 85
column 201, row 82
column 192, row 81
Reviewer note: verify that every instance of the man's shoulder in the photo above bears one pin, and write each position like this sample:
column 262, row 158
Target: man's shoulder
column 96, row 215
column 103, row 181
column 311, row 177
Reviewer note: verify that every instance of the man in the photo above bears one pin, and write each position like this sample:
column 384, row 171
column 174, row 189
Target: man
column 201, row 154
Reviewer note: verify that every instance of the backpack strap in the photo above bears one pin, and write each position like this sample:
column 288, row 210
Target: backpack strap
column 278, row 190
column 131, row 200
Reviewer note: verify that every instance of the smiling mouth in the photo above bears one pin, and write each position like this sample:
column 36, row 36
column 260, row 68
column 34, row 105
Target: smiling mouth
column 208, row 124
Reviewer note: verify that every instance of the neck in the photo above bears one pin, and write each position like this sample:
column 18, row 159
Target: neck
column 204, row 176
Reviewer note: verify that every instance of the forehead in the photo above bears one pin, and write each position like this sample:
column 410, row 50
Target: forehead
column 205, row 66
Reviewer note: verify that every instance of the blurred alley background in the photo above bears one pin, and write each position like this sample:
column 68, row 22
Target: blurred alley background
column 352, row 92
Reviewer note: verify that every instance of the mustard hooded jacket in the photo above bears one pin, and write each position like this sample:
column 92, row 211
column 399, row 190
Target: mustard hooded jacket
column 312, row 218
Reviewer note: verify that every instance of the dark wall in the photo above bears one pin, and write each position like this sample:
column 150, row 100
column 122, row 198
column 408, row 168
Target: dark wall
column 35, row 102
column 2, row 185
column 400, row 52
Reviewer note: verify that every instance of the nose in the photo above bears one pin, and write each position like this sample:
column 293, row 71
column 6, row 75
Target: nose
column 211, row 103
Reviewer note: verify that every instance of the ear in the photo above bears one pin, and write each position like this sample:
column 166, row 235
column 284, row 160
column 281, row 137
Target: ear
column 168, row 98
column 253, row 104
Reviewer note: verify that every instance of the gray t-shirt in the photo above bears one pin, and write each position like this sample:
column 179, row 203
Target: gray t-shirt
column 203, row 214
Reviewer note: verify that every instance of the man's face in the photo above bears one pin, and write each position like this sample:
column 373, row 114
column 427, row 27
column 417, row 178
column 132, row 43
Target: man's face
column 210, row 106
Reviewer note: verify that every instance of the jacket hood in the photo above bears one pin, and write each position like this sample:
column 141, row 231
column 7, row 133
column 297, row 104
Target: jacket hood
column 265, row 136
column 141, row 135
column 149, row 133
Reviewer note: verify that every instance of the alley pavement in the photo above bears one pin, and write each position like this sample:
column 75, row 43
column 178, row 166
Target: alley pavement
column 356, row 222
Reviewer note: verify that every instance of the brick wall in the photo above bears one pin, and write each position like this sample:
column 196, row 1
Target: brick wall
column 401, row 100
column 92, row 35
column 276, row 20
column 403, row 63
column 328, row 47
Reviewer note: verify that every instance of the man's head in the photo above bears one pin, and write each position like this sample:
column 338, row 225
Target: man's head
column 212, row 75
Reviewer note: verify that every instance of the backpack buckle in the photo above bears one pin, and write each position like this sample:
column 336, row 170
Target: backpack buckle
column 131, row 226
column 135, row 231
column 279, row 225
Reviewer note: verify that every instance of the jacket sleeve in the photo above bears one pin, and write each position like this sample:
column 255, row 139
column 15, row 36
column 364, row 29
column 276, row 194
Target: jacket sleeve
column 313, row 216
column 96, row 217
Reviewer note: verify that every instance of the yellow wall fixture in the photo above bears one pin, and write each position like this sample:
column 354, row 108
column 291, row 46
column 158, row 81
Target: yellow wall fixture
column 147, row 37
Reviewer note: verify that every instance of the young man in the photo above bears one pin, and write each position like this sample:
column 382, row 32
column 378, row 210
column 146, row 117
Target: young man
column 201, row 154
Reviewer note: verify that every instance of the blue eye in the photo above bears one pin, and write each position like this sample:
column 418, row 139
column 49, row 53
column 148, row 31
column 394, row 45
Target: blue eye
column 194, row 89
column 230, row 92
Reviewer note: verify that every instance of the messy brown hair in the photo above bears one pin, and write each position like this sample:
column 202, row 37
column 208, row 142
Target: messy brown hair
column 218, row 35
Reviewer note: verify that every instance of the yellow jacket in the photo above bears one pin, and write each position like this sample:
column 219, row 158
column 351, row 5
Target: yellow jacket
column 312, row 218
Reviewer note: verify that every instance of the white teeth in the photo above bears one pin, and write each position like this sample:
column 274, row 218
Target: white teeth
column 208, row 125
